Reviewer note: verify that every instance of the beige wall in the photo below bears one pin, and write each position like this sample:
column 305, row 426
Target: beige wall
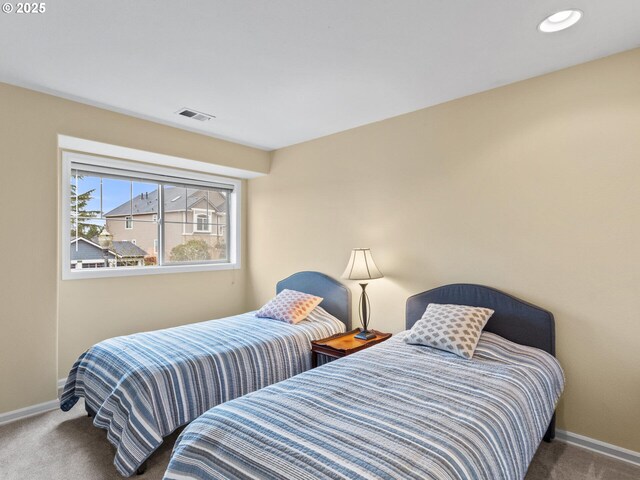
column 533, row 188
column 89, row 310
column 92, row 310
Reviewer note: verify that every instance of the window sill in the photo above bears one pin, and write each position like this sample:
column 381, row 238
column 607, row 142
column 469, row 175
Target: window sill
column 82, row 274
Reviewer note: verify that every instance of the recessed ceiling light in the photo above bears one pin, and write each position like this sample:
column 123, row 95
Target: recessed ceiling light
column 560, row 20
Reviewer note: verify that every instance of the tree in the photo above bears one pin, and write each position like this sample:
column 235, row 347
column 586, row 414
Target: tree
column 79, row 204
column 193, row 250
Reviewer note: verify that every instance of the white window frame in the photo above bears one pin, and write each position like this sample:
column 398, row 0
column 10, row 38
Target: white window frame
column 128, row 222
column 234, row 204
column 197, row 212
column 196, row 223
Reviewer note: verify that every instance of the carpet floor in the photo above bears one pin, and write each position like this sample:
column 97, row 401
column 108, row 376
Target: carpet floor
column 65, row 446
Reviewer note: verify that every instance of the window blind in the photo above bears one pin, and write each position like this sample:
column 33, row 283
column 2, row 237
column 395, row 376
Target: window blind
column 80, row 169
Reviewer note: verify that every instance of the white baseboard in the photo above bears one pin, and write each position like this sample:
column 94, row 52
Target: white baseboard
column 597, row 446
column 26, row 412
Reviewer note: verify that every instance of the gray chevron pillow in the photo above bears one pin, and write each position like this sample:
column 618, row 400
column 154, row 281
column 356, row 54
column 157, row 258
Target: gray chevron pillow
column 454, row 328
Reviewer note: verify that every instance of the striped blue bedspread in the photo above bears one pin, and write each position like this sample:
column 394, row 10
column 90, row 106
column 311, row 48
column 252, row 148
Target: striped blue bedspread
column 393, row 411
column 144, row 386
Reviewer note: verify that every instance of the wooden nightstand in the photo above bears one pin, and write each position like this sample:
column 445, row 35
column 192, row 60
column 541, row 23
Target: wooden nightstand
column 343, row 344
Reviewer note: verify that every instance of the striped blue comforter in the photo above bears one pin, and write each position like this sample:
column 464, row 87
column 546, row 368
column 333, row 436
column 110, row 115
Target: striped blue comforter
column 144, row 386
column 393, row 411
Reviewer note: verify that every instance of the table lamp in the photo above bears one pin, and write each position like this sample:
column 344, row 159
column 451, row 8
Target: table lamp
column 362, row 267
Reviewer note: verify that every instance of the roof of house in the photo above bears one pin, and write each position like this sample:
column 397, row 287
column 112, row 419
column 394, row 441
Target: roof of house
column 90, row 249
column 175, row 199
column 84, row 250
column 128, row 249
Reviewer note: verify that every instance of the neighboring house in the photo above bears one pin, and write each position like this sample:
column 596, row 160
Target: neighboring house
column 88, row 254
column 188, row 215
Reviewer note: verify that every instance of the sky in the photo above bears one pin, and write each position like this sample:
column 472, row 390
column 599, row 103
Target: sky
column 114, row 193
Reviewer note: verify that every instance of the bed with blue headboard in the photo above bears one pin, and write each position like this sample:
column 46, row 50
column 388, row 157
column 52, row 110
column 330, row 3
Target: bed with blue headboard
column 141, row 387
column 514, row 319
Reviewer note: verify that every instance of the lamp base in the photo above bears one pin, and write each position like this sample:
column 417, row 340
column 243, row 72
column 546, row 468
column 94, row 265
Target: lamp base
column 365, row 335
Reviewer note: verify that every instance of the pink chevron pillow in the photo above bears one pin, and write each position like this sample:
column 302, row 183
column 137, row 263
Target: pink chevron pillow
column 290, row 306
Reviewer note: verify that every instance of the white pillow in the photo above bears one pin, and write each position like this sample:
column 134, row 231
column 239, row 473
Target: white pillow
column 454, row 328
column 290, row 306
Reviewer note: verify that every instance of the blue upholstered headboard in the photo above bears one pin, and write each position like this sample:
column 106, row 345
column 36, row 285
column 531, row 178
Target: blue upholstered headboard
column 514, row 319
column 337, row 297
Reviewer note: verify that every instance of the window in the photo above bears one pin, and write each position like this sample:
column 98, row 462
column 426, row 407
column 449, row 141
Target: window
column 202, row 223
column 184, row 221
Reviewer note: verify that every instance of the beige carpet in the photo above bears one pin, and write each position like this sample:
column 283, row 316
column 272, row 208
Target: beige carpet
column 65, row 446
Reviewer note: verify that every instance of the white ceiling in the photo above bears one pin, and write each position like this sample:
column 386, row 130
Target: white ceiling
column 279, row 72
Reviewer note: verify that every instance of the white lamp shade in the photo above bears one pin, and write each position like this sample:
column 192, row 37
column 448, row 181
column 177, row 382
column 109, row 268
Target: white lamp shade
column 361, row 266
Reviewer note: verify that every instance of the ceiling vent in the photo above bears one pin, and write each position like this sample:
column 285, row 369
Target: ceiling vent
column 201, row 117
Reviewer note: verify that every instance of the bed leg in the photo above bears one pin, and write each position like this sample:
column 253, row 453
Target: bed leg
column 142, row 468
column 551, row 431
